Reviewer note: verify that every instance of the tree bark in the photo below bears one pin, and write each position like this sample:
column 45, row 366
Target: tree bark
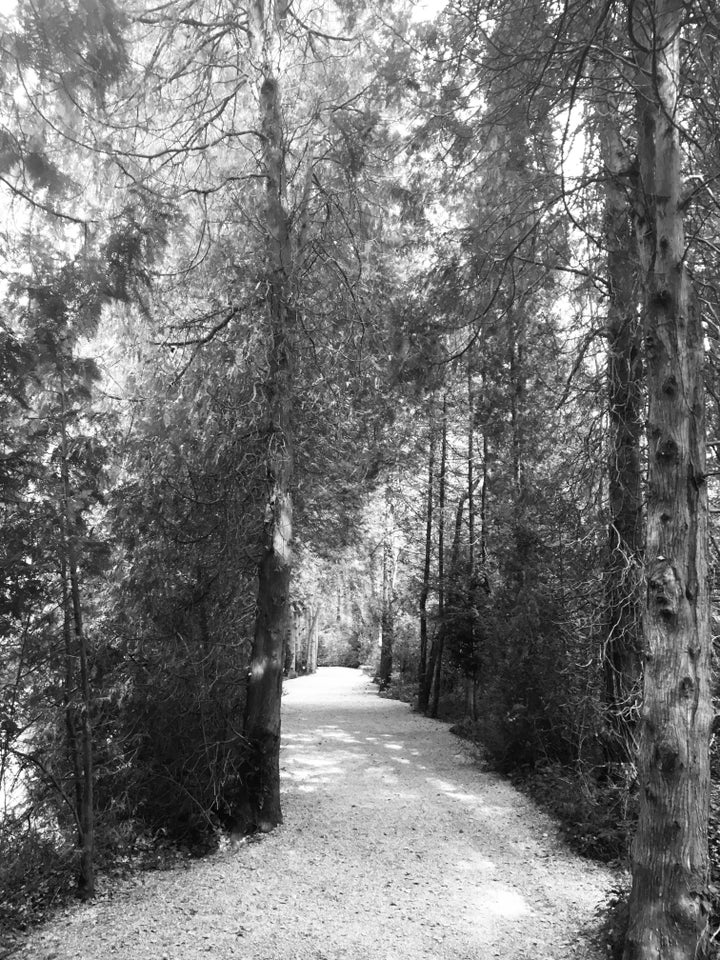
column 484, row 491
column 291, row 646
column 471, row 474
column 387, row 626
column 262, row 712
column 434, row 675
column 452, row 580
column 471, row 679
column 69, row 684
column 425, row 589
column 668, row 916
column 622, row 627
column 518, row 390
column 313, row 630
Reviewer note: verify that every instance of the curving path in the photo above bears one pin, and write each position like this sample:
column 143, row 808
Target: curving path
column 396, row 846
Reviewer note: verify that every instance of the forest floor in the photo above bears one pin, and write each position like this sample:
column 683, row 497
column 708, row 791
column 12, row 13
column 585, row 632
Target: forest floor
column 396, row 845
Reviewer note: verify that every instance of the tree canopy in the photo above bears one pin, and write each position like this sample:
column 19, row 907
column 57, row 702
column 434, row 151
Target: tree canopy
column 371, row 334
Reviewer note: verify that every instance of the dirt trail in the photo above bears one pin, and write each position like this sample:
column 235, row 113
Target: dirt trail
column 395, row 846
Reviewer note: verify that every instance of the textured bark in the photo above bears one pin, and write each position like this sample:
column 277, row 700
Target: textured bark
column 622, row 628
column 340, row 597
column 472, row 679
column 86, row 884
column 262, row 713
column 425, row 589
column 471, row 474
column 387, row 638
column 291, row 646
column 518, row 399
column 69, row 688
column 434, row 673
column 387, row 626
column 312, row 619
column 451, row 580
column 483, row 503
column 670, row 860
column 262, row 709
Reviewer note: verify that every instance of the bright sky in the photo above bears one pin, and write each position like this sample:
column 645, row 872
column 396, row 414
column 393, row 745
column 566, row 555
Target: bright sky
column 423, row 10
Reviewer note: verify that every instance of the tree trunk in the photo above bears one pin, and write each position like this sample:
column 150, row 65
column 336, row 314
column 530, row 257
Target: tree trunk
column 622, row 628
column 522, row 560
column 483, row 580
column 425, row 590
column 73, row 752
column 262, row 712
column 387, row 628
column 309, row 664
column 668, row 914
column 483, row 504
column 386, row 647
column 312, row 640
column 452, row 580
column 518, row 390
column 471, row 678
column 434, row 676
column 83, row 751
column 291, row 646
column 471, row 474
column 86, row 883
column 307, row 652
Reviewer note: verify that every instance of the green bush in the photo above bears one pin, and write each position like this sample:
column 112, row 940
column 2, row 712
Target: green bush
column 597, row 808
column 37, row 872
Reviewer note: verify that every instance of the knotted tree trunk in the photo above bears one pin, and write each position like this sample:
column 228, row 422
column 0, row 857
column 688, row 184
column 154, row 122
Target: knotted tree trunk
column 670, row 859
column 262, row 713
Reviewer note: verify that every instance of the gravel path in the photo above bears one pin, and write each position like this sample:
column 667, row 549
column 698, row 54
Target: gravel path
column 395, row 846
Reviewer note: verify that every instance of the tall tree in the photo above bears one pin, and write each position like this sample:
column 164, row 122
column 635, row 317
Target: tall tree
column 621, row 630
column 268, row 19
column 668, row 914
column 80, row 744
column 389, row 559
column 425, row 587
column 433, row 677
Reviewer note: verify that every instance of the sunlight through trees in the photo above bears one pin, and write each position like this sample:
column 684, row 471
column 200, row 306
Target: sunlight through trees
column 375, row 335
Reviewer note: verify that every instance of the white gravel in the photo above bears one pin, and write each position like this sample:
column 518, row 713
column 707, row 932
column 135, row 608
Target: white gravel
column 396, row 846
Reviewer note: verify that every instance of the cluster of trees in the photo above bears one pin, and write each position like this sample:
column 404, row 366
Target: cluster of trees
column 336, row 332
column 570, row 568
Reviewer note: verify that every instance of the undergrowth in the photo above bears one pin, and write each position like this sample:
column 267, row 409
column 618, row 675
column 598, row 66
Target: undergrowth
column 596, row 808
column 38, row 874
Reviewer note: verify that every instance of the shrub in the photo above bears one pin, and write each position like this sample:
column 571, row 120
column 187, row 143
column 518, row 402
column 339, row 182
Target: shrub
column 36, row 873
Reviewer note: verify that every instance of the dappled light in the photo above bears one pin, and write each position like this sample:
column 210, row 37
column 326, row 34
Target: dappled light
column 376, row 772
column 502, row 902
column 383, row 335
column 394, row 846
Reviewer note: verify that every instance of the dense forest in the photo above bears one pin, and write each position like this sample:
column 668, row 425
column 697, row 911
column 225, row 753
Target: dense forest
column 347, row 333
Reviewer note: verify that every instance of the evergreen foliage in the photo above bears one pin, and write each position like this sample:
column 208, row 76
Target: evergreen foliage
column 389, row 273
